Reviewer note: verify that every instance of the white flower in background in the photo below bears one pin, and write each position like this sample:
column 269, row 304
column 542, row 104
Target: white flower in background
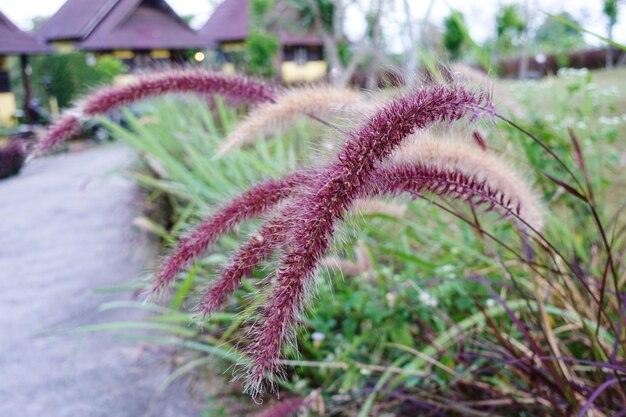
column 318, row 338
column 591, row 87
column 391, row 299
column 446, row 271
column 490, row 302
column 609, row 121
column 428, row 299
column 572, row 72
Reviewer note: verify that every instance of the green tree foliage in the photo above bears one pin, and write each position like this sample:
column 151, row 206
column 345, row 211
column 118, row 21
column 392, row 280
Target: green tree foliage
column 554, row 37
column 258, row 11
column 307, row 16
column 70, row 75
column 454, row 35
column 609, row 8
column 509, row 19
column 261, row 45
column 510, row 25
column 261, row 48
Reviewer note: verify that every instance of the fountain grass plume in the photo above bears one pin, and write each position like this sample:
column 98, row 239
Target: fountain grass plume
column 59, row 132
column 318, row 102
column 478, row 79
column 252, row 203
column 319, row 199
column 259, row 247
column 485, row 167
column 361, row 265
column 193, row 81
column 439, row 166
column 416, row 179
column 263, row 243
column 333, row 191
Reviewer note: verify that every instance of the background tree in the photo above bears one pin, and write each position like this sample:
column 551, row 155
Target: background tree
column 553, row 36
column 374, row 35
column 418, row 40
column 327, row 17
column 66, row 76
column 261, row 45
column 510, row 25
column 610, row 10
column 454, row 35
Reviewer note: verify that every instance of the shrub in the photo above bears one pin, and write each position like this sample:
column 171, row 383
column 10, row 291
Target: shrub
column 69, row 75
column 12, row 158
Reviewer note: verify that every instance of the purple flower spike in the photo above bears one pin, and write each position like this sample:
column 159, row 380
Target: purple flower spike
column 259, row 247
column 253, row 203
column 59, row 132
column 335, row 190
column 188, row 81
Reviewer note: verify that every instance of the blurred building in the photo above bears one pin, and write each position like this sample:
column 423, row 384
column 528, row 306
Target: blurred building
column 15, row 42
column 135, row 31
column 301, row 57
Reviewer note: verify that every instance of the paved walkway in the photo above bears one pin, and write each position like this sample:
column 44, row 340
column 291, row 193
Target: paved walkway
column 65, row 229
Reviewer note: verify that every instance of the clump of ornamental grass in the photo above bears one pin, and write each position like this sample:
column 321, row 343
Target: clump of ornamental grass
column 279, row 232
column 579, row 307
column 305, row 208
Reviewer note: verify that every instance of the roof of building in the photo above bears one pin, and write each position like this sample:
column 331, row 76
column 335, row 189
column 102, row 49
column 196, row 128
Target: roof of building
column 120, row 24
column 13, row 41
column 231, row 21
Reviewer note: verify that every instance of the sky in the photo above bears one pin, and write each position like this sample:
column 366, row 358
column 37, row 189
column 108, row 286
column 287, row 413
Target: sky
column 479, row 15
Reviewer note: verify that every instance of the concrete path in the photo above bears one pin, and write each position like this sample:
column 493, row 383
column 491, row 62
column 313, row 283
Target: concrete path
column 65, row 229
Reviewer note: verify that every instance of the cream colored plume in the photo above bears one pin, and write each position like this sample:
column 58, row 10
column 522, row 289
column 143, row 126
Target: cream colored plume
column 363, row 262
column 376, row 206
column 269, row 117
column 471, row 160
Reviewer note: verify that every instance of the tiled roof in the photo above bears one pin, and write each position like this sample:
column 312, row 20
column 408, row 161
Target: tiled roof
column 121, row 24
column 229, row 22
column 231, row 19
column 76, row 19
column 15, row 42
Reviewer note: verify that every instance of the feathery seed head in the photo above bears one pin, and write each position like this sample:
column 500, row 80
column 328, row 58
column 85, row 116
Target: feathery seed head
column 60, row 131
column 186, row 81
column 252, row 203
column 484, row 167
column 334, row 191
column 318, row 102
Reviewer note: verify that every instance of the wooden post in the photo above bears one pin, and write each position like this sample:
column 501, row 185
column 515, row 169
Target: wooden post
column 28, row 114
